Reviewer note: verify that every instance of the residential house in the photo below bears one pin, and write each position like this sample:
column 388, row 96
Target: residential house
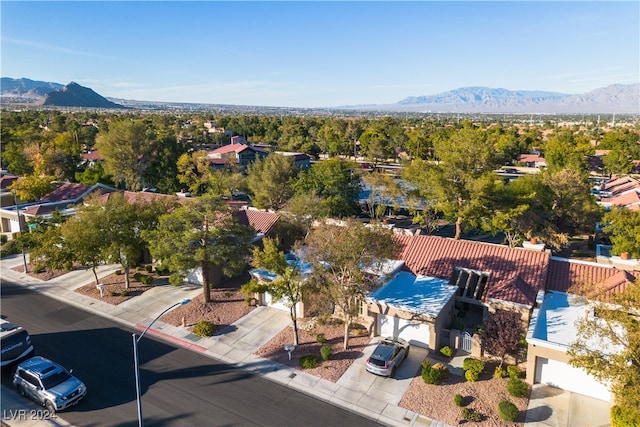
column 63, row 199
column 235, row 154
column 532, row 160
column 301, row 160
column 621, row 192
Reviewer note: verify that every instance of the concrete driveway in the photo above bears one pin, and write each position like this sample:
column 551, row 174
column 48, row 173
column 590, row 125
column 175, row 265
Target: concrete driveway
column 550, row 406
column 389, row 390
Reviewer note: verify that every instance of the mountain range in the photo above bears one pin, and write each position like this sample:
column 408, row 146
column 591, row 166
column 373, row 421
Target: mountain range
column 617, row 98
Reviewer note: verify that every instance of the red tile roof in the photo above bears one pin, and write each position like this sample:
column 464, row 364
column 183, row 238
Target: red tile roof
column 6, row 180
column 587, row 278
column 515, row 274
column 624, row 200
column 66, row 192
column 237, row 148
column 261, row 221
column 93, row 156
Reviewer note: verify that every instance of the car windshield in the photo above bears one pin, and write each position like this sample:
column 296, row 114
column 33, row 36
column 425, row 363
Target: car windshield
column 55, row 379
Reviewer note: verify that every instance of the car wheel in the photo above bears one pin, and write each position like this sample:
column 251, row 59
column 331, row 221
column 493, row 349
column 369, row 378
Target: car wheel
column 50, row 406
column 21, row 391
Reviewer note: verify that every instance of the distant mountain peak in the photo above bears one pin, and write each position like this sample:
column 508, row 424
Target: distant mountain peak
column 75, row 95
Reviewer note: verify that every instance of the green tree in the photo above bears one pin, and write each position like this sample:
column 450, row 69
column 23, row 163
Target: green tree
column 341, row 256
column 270, row 180
column 202, row 233
column 196, row 172
column 623, row 228
column 127, row 147
column 124, row 222
column 289, row 281
column 333, row 181
column 465, row 164
column 608, row 347
column 33, row 187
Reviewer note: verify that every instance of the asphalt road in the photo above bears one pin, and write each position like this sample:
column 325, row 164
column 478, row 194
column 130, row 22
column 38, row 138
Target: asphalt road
column 179, row 387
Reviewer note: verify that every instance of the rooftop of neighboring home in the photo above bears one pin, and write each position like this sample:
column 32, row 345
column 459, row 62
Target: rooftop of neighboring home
column 261, row 221
column 234, row 148
column 414, row 294
column 92, row 156
column 514, row 274
column 597, row 281
column 63, row 197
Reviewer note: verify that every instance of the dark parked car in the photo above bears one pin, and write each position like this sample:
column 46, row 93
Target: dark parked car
column 48, row 383
column 387, row 355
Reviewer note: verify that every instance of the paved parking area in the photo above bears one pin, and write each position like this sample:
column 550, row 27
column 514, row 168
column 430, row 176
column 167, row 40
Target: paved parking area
column 550, row 406
column 389, row 390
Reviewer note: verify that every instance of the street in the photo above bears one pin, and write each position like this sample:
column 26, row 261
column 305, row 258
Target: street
column 179, row 387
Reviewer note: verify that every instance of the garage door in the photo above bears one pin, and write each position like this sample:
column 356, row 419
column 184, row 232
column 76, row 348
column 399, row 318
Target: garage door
column 567, row 377
column 415, row 333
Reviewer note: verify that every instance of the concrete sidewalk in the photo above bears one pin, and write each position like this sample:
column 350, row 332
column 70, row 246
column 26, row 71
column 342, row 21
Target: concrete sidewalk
column 358, row 391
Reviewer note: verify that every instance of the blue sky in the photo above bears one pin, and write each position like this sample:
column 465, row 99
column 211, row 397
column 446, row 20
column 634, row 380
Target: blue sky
column 319, row 54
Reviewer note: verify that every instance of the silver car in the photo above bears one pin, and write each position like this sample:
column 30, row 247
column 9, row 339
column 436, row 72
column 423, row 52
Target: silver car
column 48, row 383
column 387, row 355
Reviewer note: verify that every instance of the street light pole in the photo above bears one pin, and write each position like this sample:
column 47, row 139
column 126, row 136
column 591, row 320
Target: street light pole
column 24, row 257
column 136, row 362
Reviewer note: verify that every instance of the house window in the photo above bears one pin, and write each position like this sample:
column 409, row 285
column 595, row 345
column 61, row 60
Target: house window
column 470, row 283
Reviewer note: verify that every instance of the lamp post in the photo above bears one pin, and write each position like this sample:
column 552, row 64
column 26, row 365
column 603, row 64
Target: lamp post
column 136, row 339
column 24, row 257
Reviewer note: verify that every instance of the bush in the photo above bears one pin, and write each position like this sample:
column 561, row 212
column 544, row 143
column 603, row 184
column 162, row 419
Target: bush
column 326, row 352
column 146, row 280
column 117, row 272
column 471, row 415
column 3, row 239
column 471, row 375
column 124, row 293
column 38, row 269
column 446, row 351
column 623, row 417
column 204, row 328
column 308, row 361
column 434, row 374
column 517, row 388
column 10, row 248
column 471, row 364
column 507, row 411
column 320, row 338
column 514, row 371
column 113, row 294
column 499, row 372
column 68, row 266
column 148, row 268
column 458, row 400
column 176, row 279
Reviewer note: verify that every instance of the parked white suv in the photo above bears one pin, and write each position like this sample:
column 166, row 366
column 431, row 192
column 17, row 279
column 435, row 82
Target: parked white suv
column 48, row 383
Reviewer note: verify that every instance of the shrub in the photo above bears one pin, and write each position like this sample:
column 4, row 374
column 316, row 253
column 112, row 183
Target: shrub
column 204, row 328
column 308, row 361
column 3, row 239
column 471, row 375
column 321, row 338
column 146, row 280
column 124, row 293
column 499, row 372
column 68, row 266
column 623, row 417
column 471, row 364
column 176, row 279
column 148, row 268
column 326, row 352
column 10, row 248
column 514, row 371
column 517, row 388
column 137, row 275
column 458, row 400
column 457, row 323
column 38, row 269
column 507, row 411
column 471, row 415
column 434, row 374
column 117, row 272
column 113, row 294
column 446, row 351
